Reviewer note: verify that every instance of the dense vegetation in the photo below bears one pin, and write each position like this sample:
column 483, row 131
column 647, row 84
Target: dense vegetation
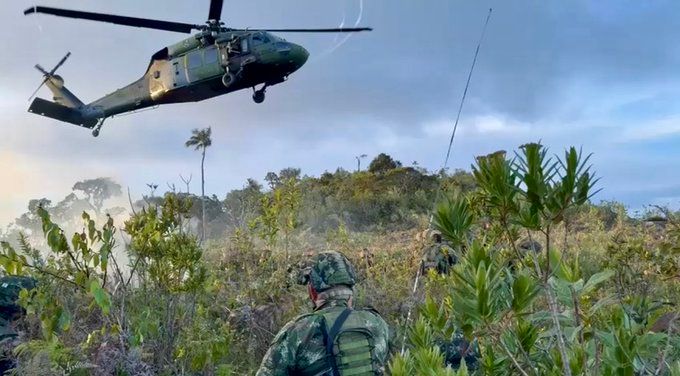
column 547, row 283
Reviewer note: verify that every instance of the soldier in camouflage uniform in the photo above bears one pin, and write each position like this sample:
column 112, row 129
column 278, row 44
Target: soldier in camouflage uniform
column 10, row 312
column 438, row 256
column 335, row 339
column 458, row 349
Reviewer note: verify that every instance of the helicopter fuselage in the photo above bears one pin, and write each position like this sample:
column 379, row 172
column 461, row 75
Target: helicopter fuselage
column 199, row 68
column 215, row 61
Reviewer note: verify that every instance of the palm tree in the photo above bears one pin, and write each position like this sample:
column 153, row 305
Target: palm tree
column 359, row 158
column 200, row 140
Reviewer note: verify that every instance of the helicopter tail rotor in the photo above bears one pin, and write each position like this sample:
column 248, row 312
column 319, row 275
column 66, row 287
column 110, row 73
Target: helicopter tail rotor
column 56, row 80
column 55, row 83
column 66, row 106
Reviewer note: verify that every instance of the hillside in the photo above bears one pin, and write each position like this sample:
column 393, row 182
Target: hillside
column 142, row 294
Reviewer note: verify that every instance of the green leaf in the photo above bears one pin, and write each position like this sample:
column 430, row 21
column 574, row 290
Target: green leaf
column 649, row 343
column 64, row 322
column 101, row 297
column 453, row 219
column 524, row 290
column 596, row 279
column 527, row 334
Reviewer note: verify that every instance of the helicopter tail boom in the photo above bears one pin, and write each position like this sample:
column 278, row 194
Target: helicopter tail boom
column 62, row 113
column 61, row 94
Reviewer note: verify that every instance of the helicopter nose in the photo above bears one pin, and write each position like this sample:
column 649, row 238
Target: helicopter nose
column 298, row 55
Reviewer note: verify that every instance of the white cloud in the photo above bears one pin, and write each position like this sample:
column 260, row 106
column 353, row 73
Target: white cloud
column 652, row 130
column 495, row 125
column 485, row 125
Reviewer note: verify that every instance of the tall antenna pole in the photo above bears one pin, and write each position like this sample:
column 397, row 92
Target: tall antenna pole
column 446, row 161
column 467, row 85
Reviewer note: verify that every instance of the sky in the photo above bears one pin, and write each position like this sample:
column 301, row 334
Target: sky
column 601, row 75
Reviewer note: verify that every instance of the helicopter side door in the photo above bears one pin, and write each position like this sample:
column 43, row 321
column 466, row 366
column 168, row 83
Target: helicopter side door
column 203, row 64
column 179, row 73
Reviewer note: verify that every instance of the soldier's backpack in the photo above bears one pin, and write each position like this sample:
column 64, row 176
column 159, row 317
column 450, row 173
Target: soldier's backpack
column 350, row 346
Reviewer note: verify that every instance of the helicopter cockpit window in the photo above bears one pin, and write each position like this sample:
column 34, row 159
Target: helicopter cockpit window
column 194, row 60
column 210, row 56
column 244, row 46
column 275, row 38
column 260, row 38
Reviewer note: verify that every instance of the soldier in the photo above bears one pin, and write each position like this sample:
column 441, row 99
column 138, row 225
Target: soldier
column 438, row 256
column 10, row 313
column 458, row 349
column 335, row 339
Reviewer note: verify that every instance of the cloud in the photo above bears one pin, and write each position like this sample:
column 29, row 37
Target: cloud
column 653, row 130
column 567, row 73
column 490, row 125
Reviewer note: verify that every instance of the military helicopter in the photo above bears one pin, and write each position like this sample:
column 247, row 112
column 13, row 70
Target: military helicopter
column 215, row 61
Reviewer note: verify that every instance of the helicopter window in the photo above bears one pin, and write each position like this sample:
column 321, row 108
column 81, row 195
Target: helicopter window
column 210, row 56
column 244, row 46
column 275, row 38
column 259, row 38
column 194, row 60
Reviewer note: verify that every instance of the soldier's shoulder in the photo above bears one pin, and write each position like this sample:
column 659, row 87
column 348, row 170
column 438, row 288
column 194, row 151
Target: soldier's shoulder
column 374, row 317
column 370, row 309
column 301, row 322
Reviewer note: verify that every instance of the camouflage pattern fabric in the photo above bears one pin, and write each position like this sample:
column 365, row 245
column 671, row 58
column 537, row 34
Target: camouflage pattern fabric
column 10, row 286
column 331, row 269
column 457, row 349
column 299, row 347
column 439, row 257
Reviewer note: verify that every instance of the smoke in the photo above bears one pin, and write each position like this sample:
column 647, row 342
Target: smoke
column 337, row 44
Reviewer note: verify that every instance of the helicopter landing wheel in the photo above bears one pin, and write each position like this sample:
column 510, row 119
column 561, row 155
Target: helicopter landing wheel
column 228, row 79
column 258, row 96
column 97, row 128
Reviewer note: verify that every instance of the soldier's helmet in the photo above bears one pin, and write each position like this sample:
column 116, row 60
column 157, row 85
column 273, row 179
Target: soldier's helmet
column 329, row 269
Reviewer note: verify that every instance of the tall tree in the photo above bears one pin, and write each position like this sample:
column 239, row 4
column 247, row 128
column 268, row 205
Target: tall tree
column 383, row 163
column 289, row 173
column 200, row 140
column 98, row 190
column 272, row 179
column 359, row 158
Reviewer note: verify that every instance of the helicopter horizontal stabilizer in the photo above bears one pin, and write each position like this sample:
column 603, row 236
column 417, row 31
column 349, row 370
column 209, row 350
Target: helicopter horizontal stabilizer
column 62, row 113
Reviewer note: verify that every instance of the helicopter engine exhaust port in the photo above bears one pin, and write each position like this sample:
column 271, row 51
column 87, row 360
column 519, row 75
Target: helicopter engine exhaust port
column 228, row 79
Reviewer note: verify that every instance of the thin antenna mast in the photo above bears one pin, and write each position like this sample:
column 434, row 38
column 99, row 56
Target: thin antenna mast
column 446, row 161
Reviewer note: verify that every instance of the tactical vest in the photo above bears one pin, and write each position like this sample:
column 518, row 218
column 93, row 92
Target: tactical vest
column 350, row 347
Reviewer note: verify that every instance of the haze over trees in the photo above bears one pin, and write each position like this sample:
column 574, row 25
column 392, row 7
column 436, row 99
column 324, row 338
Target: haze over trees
column 601, row 294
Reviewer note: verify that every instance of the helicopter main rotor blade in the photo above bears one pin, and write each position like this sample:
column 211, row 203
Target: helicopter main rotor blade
column 63, row 59
column 41, row 69
column 119, row 20
column 215, row 10
column 333, row 30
